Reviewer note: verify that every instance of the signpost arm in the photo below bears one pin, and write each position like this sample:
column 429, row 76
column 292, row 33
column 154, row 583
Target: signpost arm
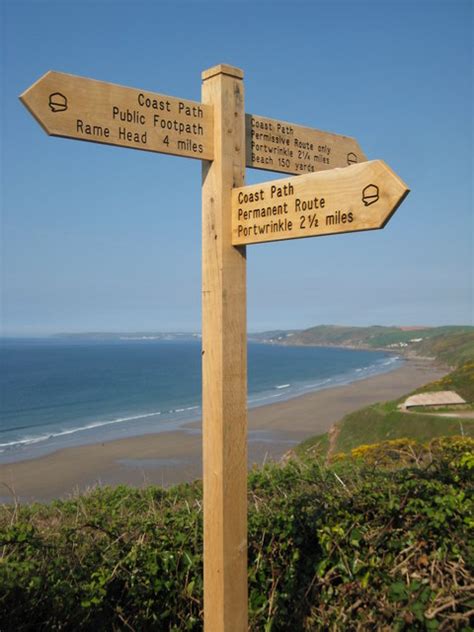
column 224, row 362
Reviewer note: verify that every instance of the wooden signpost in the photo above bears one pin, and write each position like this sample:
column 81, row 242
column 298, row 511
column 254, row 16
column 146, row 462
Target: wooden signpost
column 287, row 148
column 360, row 197
column 347, row 197
column 85, row 109
column 224, row 362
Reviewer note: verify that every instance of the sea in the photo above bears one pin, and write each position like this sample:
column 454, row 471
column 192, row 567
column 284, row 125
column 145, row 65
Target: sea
column 56, row 393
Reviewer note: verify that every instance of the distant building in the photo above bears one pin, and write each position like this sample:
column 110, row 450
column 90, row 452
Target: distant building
column 438, row 398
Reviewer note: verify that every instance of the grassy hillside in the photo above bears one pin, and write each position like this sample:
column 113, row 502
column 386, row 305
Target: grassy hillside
column 339, row 548
column 384, row 421
column 454, row 349
column 442, row 342
column 460, row 380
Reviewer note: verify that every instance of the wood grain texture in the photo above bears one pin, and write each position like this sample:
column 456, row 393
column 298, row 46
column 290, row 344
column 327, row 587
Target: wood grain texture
column 95, row 111
column 288, row 148
column 359, row 197
column 224, row 363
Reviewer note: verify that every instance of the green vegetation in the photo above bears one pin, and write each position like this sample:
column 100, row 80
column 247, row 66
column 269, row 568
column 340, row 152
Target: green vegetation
column 453, row 349
column 384, row 421
column 460, row 380
column 316, row 446
column 439, row 341
column 345, row 547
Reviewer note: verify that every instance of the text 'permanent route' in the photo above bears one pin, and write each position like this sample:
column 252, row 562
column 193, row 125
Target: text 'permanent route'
column 359, row 197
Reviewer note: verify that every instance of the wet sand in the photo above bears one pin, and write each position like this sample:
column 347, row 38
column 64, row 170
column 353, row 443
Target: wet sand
column 173, row 457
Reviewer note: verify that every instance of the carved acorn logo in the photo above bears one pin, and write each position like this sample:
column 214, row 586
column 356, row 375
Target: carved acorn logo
column 57, row 102
column 370, row 194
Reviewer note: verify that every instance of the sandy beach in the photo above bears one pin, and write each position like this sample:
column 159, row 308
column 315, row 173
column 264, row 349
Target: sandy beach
column 172, row 457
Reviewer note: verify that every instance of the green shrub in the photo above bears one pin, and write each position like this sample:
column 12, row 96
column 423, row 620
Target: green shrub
column 353, row 546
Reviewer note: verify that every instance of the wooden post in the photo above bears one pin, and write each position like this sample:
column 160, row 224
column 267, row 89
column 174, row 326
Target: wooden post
column 224, row 362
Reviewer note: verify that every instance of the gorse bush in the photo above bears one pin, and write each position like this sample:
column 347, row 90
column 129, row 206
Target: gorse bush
column 368, row 543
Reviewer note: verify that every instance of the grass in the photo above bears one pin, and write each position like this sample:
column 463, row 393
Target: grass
column 384, row 421
column 460, row 380
column 451, row 410
column 316, row 446
column 454, row 349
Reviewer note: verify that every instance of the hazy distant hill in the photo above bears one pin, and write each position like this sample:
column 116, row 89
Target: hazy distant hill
column 139, row 335
column 428, row 339
column 276, row 335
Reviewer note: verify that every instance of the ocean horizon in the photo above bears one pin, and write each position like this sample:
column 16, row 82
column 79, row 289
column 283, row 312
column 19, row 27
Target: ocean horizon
column 57, row 393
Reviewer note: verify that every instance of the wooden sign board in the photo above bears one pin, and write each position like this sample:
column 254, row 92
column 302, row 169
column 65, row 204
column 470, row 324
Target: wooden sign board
column 360, row 197
column 85, row 109
column 278, row 146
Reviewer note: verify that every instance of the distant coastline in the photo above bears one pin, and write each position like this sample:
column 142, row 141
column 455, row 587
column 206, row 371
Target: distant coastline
column 376, row 337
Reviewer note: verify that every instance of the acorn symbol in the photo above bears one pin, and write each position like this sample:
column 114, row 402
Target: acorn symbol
column 370, row 194
column 57, row 102
column 351, row 158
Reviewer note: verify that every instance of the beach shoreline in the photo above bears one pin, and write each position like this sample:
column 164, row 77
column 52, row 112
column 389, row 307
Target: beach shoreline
column 167, row 458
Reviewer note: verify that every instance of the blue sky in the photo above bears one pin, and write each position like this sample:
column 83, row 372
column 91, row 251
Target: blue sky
column 105, row 238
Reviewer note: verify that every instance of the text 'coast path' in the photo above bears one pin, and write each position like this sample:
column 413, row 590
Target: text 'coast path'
column 359, row 197
column 85, row 109
column 279, row 146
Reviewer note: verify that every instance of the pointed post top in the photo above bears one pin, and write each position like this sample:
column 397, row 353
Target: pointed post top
column 223, row 69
